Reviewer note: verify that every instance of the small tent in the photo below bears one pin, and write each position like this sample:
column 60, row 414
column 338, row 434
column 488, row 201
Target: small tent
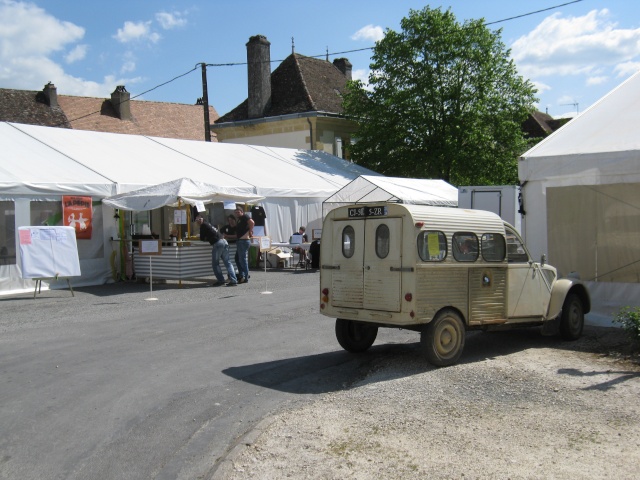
column 581, row 197
column 417, row 191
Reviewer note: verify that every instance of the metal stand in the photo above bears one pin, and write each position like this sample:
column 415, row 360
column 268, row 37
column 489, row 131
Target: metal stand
column 38, row 288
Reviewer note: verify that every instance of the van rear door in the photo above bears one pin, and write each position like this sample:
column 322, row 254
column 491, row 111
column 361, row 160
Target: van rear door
column 367, row 263
column 382, row 264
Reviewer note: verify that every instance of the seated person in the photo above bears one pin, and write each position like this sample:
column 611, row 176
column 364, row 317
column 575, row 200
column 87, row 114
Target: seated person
column 299, row 250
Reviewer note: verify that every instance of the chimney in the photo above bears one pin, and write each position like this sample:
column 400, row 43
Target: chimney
column 259, row 73
column 50, row 94
column 121, row 104
column 344, row 66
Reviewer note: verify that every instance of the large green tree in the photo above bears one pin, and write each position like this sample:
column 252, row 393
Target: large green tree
column 444, row 100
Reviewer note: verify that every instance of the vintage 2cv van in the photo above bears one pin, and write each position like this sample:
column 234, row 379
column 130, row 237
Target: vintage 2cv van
column 439, row 271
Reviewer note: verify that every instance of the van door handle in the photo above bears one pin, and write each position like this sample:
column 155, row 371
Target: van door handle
column 368, row 267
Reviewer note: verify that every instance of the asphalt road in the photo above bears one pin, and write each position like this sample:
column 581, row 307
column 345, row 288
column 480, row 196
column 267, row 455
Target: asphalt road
column 112, row 385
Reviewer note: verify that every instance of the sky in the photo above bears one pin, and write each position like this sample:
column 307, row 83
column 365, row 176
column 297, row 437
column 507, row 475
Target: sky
column 574, row 54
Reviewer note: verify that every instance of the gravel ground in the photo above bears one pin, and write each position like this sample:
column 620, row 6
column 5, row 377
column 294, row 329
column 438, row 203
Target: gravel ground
column 518, row 406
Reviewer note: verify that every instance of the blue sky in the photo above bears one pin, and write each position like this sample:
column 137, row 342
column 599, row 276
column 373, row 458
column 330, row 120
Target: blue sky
column 574, row 54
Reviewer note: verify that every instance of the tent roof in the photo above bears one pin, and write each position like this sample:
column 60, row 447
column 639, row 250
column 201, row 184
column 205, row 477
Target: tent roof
column 609, row 125
column 181, row 190
column 417, row 191
column 42, row 160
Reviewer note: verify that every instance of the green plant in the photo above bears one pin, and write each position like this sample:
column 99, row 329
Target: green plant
column 629, row 318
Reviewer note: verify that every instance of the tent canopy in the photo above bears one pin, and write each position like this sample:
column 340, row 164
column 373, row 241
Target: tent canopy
column 417, row 191
column 182, row 190
column 106, row 164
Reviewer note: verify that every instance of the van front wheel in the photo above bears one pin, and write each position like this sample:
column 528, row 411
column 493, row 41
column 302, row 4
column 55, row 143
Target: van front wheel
column 355, row 337
column 442, row 340
column 572, row 318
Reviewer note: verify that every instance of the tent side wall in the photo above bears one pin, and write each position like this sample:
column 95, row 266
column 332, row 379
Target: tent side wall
column 583, row 211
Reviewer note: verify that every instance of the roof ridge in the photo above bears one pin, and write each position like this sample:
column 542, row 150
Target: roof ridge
column 304, row 84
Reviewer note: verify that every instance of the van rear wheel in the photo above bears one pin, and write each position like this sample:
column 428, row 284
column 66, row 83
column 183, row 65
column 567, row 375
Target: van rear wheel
column 442, row 340
column 355, row 337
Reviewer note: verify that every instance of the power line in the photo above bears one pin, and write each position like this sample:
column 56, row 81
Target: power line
column 326, row 54
column 533, row 13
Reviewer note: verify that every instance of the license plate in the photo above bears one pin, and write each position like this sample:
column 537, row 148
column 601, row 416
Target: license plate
column 360, row 212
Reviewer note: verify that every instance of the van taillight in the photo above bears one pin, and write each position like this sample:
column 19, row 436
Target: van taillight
column 325, row 297
column 408, row 297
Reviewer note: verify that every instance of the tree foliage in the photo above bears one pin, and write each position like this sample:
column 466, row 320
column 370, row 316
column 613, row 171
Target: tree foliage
column 444, row 100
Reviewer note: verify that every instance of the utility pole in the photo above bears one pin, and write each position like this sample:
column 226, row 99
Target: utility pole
column 205, row 103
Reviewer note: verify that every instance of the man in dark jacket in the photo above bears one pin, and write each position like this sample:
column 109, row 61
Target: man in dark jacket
column 209, row 233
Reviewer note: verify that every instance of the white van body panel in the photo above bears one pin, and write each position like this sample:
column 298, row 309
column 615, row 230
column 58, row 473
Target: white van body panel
column 370, row 277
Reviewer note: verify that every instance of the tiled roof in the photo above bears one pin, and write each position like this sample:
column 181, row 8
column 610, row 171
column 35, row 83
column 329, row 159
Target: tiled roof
column 299, row 84
column 540, row 124
column 158, row 119
column 21, row 106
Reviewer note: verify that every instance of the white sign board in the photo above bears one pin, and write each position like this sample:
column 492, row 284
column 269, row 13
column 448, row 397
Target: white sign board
column 48, row 252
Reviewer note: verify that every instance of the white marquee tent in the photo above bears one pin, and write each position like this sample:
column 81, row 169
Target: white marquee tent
column 417, row 191
column 581, row 197
column 40, row 164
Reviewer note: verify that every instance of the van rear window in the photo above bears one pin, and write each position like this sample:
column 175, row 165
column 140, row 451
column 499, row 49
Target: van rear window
column 432, row 246
column 382, row 241
column 348, row 241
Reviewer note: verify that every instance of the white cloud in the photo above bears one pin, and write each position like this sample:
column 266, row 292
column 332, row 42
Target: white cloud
column 169, row 21
column 369, row 32
column 76, row 54
column 541, row 87
column 598, row 80
column 574, row 45
column 132, row 31
column 29, row 37
column 26, row 29
column 627, row 68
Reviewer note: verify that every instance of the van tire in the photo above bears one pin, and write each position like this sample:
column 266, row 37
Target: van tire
column 355, row 337
column 442, row 339
column 572, row 319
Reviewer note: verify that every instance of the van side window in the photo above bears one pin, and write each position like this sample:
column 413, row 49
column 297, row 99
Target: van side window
column 465, row 246
column 432, row 246
column 382, row 241
column 348, row 241
column 516, row 252
column 493, row 247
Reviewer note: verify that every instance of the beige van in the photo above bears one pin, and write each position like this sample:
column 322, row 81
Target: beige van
column 438, row 271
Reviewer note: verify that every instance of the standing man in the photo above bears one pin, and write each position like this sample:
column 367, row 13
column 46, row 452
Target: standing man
column 229, row 234
column 209, row 233
column 244, row 231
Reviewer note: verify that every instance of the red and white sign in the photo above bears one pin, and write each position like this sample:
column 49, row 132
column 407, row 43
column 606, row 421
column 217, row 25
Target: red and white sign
column 76, row 213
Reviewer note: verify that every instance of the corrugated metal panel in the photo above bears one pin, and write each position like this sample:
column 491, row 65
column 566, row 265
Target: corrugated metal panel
column 178, row 263
column 488, row 302
column 347, row 288
column 440, row 287
column 450, row 220
column 382, row 293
